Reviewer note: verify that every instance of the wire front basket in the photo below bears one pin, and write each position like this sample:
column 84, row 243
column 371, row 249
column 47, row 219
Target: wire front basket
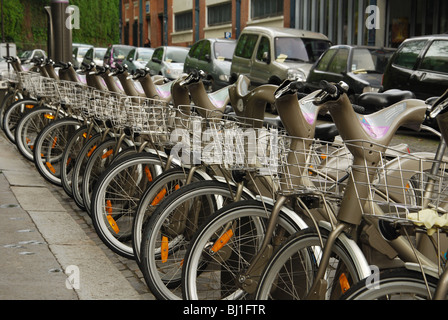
column 77, row 96
column 210, row 137
column 310, row 166
column 408, row 188
column 150, row 117
column 107, row 105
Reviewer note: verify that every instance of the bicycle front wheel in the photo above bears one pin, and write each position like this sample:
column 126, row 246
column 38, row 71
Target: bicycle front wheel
column 170, row 228
column 290, row 273
column 223, row 247
column 50, row 146
column 116, row 196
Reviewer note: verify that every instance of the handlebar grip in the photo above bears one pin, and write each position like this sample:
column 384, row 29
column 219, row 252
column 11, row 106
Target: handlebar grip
column 297, row 85
column 359, row 109
column 328, row 87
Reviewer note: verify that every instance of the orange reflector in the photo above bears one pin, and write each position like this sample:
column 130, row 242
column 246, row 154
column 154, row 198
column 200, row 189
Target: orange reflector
column 85, row 135
column 91, row 151
column 148, row 174
column 164, row 249
column 159, row 197
column 343, row 281
column 49, row 116
column 55, row 140
column 108, row 153
column 323, row 156
column 29, row 106
column 109, row 207
column 52, row 169
column 68, row 161
column 222, row 241
column 113, row 224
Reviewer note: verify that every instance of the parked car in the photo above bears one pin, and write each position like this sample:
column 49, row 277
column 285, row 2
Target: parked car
column 116, row 53
column 96, row 55
column 360, row 67
column 271, row 55
column 168, row 61
column 420, row 65
column 79, row 51
column 26, row 56
column 138, row 58
column 214, row 57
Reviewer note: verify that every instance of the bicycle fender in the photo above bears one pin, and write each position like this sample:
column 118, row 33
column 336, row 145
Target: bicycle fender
column 354, row 251
column 289, row 213
column 245, row 190
column 428, row 270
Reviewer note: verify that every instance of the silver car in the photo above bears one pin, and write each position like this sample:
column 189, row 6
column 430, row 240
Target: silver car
column 168, row 61
column 272, row 55
column 214, row 57
column 138, row 58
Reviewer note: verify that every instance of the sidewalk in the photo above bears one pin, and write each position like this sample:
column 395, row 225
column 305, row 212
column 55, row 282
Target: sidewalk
column 44, row 235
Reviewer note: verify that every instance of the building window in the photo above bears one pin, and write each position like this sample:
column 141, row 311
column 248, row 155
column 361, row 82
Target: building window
column 184, row 21
column 266, row 8
column 220, row 14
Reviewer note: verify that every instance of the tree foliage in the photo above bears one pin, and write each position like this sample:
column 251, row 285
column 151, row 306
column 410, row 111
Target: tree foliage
column 25, row 22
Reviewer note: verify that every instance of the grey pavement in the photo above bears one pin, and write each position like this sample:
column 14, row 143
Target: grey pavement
column 48, row 247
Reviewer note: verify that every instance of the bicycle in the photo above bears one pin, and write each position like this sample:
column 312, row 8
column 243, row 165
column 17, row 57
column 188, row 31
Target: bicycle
column 246, row 279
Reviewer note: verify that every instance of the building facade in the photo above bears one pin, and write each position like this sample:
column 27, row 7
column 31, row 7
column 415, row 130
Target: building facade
column 364, row 22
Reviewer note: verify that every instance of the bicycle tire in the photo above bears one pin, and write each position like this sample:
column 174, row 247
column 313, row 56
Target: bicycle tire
column 113, row 204
column 50, row 145
column 393, row 284
column 95, row 157
column 163, row 273
column 8, row 100
column 13, row 114
column 162, row 186
column 248, row 219
column 287, row 275
column 69, row 157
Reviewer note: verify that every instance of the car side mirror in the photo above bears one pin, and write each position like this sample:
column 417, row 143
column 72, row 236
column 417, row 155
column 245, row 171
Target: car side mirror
column 207, row 58
column 156, row 60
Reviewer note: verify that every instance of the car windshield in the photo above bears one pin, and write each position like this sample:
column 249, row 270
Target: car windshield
column 370, row 60
column 99, row 54
column 299, row 49
column 176, row 56
column 144, row 55
column 224, row 50
column 25, row 55
column 82, row 52
column 121, row 52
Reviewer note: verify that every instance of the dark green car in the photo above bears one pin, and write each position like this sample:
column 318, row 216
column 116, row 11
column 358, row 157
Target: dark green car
column 361, row 67
column 420, row 65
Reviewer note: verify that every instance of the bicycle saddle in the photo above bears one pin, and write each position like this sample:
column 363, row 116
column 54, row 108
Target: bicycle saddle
column 375, row 101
